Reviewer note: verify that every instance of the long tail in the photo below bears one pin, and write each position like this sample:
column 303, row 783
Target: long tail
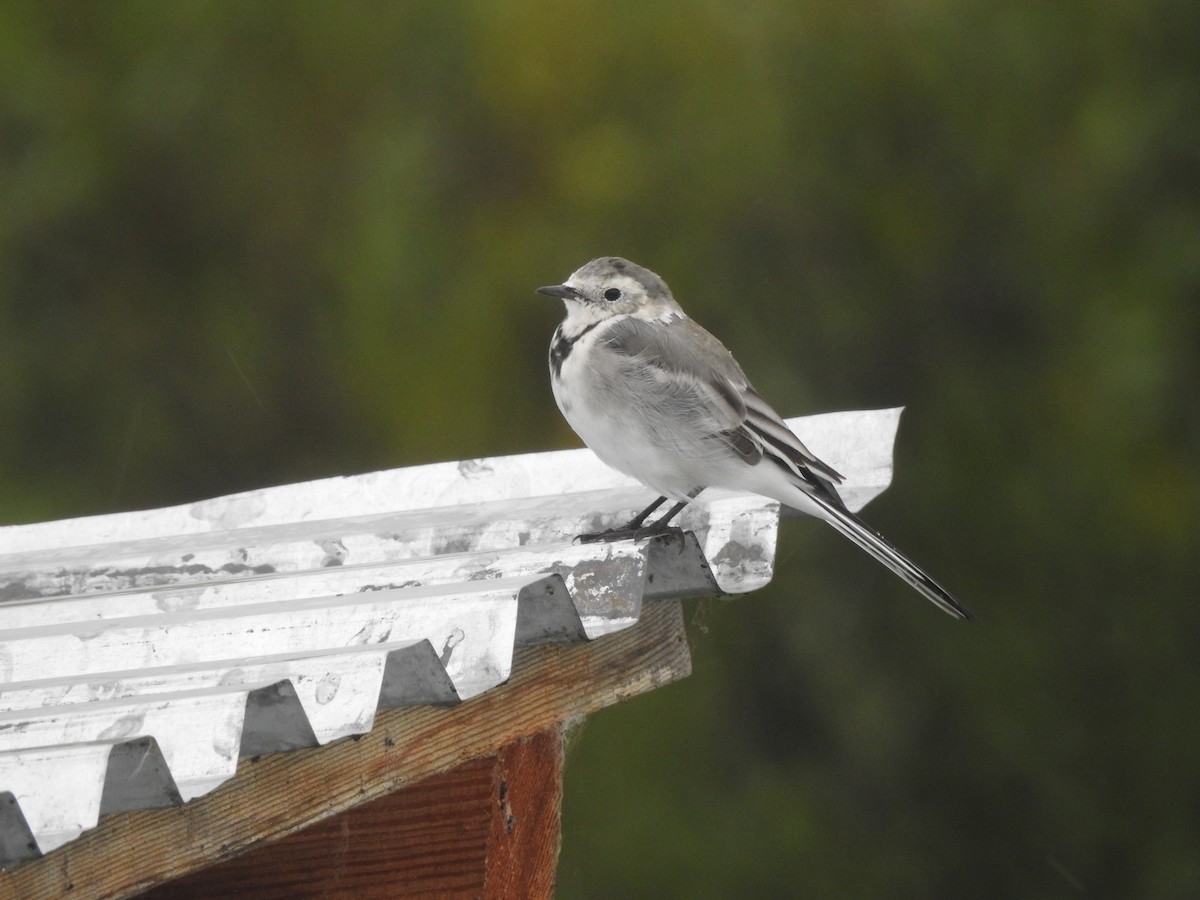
column 862, row 534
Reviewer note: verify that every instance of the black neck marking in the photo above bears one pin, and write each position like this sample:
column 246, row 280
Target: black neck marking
column 561, row 346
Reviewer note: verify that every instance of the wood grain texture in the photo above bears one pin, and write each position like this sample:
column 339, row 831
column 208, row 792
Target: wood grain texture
column 489, row 828
column 277, row 795
column 526, row 825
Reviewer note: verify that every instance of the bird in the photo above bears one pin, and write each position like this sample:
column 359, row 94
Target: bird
column 660, row 399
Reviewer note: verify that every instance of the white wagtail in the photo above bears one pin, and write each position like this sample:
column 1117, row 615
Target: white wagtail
column 660, row 399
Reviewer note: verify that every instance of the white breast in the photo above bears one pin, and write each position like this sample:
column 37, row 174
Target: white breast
column 599, row 399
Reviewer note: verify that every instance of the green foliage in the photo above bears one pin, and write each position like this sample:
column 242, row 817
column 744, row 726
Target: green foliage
column 246, row 244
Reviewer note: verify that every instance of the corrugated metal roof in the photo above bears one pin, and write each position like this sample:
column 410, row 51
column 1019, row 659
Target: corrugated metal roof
column 141, row 654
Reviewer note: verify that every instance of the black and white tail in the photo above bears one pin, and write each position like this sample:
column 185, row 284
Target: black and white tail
column 862, row 534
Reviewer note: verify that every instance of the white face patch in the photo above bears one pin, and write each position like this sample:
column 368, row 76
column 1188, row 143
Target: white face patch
column 630, row 288
column 633, row 300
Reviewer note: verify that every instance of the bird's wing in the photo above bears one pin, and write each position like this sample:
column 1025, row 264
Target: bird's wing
column 780, row 442
column 692, row 359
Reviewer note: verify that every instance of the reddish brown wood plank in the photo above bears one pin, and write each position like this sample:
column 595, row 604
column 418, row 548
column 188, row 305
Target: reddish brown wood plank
column 280, row 794
column 489, row 828
column 526, row 827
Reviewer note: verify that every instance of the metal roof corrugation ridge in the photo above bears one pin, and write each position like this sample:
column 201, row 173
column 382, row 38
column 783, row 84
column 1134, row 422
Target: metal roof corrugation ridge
column 284, row 617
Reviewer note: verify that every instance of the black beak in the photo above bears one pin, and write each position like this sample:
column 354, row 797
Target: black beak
column 562, row 291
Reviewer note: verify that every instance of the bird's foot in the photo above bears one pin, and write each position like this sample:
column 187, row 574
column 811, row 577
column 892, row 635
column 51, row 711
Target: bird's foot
column 626, row 533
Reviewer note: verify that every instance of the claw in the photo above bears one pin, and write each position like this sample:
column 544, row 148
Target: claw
column 635, row 534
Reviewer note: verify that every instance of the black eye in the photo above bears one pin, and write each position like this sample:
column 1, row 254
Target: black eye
column 612, row 294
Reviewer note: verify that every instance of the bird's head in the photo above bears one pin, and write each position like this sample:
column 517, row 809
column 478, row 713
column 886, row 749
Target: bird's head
column 611, row 286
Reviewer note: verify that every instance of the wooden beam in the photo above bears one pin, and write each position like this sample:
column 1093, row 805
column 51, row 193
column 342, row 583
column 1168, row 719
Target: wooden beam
column 277, row 795
column 489, row 828
column 526, row 826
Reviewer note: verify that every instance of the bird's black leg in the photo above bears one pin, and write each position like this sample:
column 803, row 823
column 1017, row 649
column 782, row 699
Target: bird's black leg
column 661, row 524
column 630, row 529
column 636, row 522
column 636, row 527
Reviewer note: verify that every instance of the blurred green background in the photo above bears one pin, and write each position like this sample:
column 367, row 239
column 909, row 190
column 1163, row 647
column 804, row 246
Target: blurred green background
column 243, row 244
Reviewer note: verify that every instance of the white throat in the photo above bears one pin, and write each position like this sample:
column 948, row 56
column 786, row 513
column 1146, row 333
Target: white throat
column 581, row 317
